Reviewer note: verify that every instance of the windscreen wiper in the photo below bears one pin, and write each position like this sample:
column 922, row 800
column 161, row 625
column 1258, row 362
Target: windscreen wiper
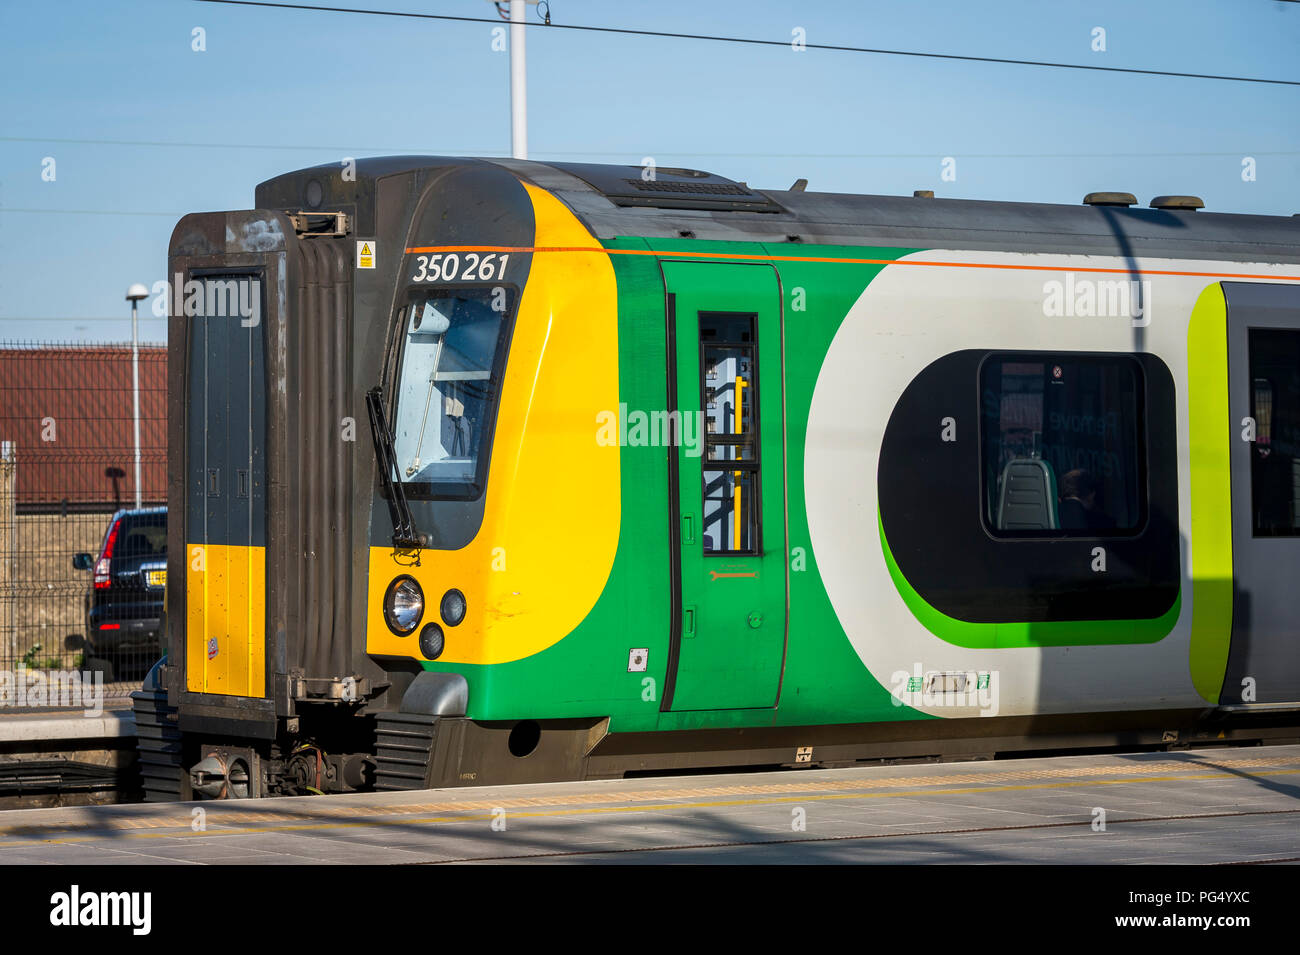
column 404, row 533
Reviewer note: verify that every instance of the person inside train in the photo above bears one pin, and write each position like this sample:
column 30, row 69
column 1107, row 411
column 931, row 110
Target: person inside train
column 1078, row 510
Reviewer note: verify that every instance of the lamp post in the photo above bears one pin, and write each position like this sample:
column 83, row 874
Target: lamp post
column 518, row 82
column 516, row 12
column 133, row 295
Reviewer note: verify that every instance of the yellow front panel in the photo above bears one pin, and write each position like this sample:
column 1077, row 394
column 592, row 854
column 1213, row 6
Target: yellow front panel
column 225, row 613
column 552, row 506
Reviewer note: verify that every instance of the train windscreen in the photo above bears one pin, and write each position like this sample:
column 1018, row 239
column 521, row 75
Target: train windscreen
column 453, row 356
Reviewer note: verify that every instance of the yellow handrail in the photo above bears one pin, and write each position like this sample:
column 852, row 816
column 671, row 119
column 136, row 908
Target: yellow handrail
column 736, row 496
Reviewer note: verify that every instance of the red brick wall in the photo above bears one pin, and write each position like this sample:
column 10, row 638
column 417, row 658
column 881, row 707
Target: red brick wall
column 84, row 454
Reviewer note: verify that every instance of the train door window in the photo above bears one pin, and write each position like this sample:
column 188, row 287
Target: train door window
column 1275, row 456
column 1061, row 445
column 452, row 362
column 729, row 391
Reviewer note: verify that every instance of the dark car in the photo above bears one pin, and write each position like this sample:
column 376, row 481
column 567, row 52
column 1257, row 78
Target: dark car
column 125, row 606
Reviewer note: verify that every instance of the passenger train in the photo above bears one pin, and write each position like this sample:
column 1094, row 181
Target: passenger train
column 494, row 471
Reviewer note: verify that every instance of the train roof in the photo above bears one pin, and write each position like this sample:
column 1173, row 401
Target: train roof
column 614, row 200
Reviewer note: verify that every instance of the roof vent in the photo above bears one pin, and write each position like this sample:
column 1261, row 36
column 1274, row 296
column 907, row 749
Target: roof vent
column 1191, row 203
column 1110, row 199
column 669, row 187
column 689, row 188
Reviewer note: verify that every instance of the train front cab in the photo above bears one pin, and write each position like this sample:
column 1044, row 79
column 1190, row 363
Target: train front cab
column 498, row 365
column 315, row 594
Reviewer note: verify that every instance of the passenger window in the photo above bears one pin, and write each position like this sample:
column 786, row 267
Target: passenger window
column 1061, row 446
column 1275, row 455
column 729, row 388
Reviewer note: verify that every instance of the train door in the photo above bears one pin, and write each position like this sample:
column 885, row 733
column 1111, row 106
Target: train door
column 1264, row 402
column 727, row 486
column 225, row 522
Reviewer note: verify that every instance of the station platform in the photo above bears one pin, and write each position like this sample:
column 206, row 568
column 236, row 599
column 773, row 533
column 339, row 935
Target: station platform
column 67, row 757
column 114, row 720
column 1220, row 805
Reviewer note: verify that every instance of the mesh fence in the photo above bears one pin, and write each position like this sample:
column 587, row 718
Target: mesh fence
column 82, row 522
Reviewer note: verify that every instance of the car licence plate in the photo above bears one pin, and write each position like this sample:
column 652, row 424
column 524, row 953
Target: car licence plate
column 157, row 578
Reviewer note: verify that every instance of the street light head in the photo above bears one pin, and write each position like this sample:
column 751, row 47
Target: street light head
column 137, row 292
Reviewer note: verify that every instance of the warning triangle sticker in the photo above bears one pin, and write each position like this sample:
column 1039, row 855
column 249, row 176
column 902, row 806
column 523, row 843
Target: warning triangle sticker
column 365, row 254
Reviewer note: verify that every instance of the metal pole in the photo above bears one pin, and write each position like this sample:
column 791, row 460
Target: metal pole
column 8, row 550
column 135, row 388
column 518, row 82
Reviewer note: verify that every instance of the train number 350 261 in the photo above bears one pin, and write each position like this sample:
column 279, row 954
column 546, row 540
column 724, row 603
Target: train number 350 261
column 451, row 267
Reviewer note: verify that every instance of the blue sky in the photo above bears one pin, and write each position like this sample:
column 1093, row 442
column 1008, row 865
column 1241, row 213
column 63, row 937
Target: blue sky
column 143, row 129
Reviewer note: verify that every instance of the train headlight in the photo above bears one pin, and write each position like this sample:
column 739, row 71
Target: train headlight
column 403, row 605
column 431, row 641
column 452, row 607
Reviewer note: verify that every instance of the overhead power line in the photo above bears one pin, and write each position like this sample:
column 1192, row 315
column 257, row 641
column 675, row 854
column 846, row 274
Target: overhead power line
column 755, row 41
